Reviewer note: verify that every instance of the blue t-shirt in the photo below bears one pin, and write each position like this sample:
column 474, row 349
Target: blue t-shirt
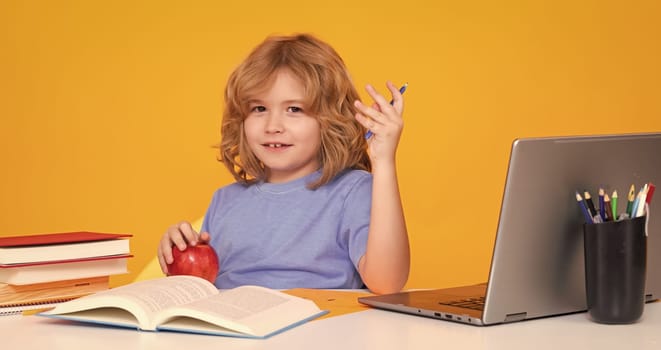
column 287, row 236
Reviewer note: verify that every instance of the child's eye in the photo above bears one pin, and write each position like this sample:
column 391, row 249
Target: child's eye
column 294, row 109
column 258, row 109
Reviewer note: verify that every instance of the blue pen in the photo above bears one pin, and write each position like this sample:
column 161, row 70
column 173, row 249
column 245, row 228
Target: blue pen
column 368, row 134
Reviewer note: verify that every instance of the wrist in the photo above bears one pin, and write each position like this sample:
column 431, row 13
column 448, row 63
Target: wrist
column 381, row 164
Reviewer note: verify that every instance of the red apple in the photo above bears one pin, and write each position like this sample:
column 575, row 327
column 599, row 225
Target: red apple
column 197, row 260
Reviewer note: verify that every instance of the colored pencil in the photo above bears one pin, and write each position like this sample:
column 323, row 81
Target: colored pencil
column 630, row 198
column 636, row 203
column 609, row 209
column 590, row 204
column 584, row 209
column 640, row 211
column 650, row 193
column 602, row 205
column 614, row 204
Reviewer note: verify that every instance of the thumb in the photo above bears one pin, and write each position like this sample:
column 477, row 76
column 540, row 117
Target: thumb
column 205, row 237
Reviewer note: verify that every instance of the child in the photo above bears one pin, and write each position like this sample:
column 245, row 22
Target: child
column 305, row 211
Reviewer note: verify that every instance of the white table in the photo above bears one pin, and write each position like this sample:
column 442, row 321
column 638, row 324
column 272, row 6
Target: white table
column 371, row 329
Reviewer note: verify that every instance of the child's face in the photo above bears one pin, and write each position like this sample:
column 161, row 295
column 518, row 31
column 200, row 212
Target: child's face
column 280, row 133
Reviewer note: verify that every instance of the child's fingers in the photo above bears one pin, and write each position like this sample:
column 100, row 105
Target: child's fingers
column 368, row 116
column 365, row 121
column 389, row 109
column 180, row 235
column 377, row 97
column 369, row 112
column 165, row 253
column 163, row 264
column 397, row 99
column 186, row 232
column 382, row 112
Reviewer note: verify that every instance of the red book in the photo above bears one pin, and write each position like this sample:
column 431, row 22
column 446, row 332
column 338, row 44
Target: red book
column 61, row 246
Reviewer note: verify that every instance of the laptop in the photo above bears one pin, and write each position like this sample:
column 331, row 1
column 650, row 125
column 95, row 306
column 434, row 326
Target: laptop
column 537, row 266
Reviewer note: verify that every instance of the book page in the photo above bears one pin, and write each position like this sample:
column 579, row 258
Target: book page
column 143, row 299
column 236, row 304
column 157, row 294
column 247, row 309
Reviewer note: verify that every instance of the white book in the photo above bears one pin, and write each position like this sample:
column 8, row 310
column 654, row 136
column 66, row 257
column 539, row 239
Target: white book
column 22, row 274
column 61, row 246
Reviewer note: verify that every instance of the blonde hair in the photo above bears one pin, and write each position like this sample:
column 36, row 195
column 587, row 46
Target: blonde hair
column 329, row 97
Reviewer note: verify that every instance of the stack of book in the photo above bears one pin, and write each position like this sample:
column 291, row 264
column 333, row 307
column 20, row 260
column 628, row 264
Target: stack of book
column 38, row 271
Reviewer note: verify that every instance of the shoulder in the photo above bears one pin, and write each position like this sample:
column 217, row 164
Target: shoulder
column 348, row 182
column 350, row 178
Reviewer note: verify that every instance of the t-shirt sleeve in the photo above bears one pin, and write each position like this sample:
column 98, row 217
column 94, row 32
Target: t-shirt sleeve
column 208, row 217
column 357, row 217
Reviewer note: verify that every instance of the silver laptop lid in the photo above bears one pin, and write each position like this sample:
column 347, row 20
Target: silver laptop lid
column 537, row 266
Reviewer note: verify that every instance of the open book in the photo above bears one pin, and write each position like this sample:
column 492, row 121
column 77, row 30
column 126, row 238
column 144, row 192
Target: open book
column 192, row 305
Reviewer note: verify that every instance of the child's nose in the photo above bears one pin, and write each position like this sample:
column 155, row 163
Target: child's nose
column 274, row 123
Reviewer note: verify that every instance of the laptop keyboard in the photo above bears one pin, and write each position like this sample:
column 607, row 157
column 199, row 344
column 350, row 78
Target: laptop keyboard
column 476, row 303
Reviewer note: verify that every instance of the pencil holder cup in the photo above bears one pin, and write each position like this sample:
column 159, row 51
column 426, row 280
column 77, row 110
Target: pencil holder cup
column 615, row 270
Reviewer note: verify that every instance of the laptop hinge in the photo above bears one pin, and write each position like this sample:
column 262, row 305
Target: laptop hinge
column 515, row 317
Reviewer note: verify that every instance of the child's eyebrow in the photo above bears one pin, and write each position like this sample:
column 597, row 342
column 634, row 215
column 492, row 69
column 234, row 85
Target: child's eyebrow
column 298, row 101
column 285, row 102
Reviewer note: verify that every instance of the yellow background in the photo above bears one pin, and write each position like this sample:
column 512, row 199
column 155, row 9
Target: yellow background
column 109, row 109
